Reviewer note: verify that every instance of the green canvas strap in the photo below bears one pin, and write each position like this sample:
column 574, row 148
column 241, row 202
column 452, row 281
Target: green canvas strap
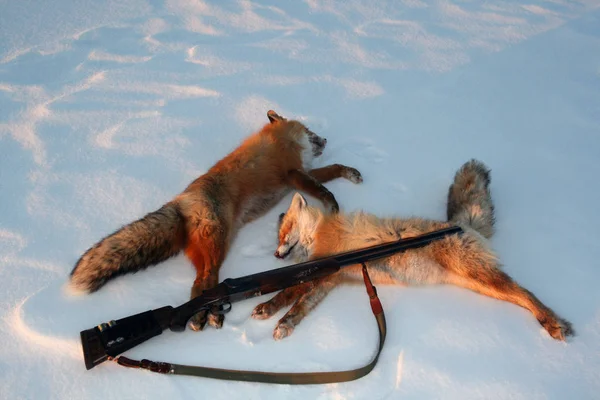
column 289, row 378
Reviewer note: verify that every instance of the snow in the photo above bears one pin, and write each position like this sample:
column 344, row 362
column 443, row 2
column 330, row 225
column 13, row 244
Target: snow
column 110, row 108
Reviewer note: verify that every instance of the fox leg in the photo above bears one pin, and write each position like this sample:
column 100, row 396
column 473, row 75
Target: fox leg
column 305, row 182
column 307, row 301
column 215, row 319
column 335, row 171
column 282, row 299
column 495, row 283
column 206, row 248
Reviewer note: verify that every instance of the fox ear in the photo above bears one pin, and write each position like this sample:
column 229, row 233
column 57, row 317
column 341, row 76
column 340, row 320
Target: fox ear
column 274, row 117
column 298, row 201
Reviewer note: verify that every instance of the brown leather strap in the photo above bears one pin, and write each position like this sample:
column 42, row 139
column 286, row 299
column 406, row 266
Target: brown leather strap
column 160, row 367
column 290, row 378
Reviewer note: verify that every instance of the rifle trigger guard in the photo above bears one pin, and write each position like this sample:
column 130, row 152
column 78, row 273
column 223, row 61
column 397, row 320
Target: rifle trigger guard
column 221, row 309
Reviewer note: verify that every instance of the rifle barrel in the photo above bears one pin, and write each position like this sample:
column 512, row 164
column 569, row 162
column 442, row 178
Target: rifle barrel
column 325, row 266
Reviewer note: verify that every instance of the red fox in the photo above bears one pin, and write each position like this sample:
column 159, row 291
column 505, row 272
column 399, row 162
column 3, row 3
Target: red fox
column 463, row 260
column 204, row 218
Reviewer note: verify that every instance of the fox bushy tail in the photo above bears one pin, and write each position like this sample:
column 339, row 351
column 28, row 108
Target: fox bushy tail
column 154, row 238
column 469, row 199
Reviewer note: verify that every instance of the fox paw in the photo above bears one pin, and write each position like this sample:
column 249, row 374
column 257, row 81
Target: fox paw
column 352, row 175
column 263, row 311
column 283, row 330
column 558, row 328
column 331, row 203
column 334, row 208
column 216, row 320
column 198, row 321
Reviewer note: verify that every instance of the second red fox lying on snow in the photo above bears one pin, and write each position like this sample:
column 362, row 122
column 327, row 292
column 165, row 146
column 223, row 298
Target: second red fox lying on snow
column 462, row 260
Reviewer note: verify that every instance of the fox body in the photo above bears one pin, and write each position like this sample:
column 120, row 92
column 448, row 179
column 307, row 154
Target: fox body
column 205, row 217
column 464, row 260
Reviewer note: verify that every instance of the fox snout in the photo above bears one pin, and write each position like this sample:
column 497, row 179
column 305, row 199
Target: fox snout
column 283, row 250
column 319, row 144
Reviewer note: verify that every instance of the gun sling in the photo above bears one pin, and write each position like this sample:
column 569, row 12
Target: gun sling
column 290, row 378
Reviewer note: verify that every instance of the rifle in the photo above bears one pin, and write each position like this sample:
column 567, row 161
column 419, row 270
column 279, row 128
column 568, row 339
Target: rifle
column 107, row 340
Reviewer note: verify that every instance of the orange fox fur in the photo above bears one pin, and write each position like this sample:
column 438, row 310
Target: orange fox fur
column 205, row 217
column 463, row 260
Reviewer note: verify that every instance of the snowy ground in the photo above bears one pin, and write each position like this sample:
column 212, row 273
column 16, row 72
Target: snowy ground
column 109, row 108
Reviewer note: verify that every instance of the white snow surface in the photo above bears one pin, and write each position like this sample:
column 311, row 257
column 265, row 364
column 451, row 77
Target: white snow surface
column 110, row 108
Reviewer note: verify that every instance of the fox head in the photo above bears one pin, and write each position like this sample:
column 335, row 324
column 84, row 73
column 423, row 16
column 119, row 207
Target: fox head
column 294, row 230
column 312, row 143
